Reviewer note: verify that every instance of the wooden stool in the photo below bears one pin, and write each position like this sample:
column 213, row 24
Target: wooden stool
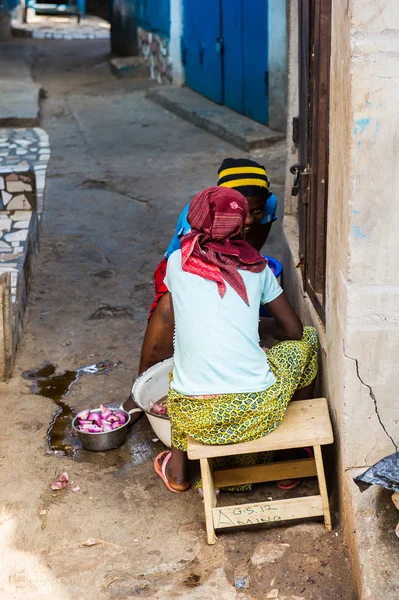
column 305, row 423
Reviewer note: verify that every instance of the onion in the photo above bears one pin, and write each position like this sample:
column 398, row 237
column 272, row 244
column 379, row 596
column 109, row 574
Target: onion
column 91, row 428
column 105, row 411
column 106, row 420
column 93, row 416
column 83, row 414
column 159, row 409
column 94, row 429
column 121, row 416
column 61, row 482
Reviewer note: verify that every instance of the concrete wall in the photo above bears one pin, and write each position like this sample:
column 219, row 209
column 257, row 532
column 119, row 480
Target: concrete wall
column 163, row 53
column 277, row 64
column 5, row 28
column 176, row 30
column 360, row 340
column 373, row 289
column 290, row 202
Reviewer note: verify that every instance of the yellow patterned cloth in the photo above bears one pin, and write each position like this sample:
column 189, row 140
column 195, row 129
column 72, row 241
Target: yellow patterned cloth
column 242, row 417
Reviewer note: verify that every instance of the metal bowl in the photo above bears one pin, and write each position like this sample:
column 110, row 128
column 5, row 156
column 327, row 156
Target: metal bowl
column 107, row 440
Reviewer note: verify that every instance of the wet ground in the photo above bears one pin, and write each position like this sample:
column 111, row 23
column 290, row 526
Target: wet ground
column 47, row 382
column 121, row 169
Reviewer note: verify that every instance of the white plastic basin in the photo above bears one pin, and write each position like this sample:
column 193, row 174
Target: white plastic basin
column 149, row 387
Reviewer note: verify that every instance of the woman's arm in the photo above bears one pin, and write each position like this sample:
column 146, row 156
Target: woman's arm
column 285, row 324
column 158, row 338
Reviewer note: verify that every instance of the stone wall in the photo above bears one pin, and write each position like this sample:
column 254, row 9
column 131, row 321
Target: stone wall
column 24, row 154
column 19, row 245
column 277, row 64
column 155, row 50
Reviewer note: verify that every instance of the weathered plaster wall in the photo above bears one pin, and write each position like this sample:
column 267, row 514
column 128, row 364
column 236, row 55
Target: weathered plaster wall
column 162, row 52
column 176, row 31
column 155, row 50
column 362, row 309
column 277, row 60
column 360, row 341
column 372, row 336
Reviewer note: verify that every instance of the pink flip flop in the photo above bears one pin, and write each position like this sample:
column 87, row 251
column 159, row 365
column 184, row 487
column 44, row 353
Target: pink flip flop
column 292, row 485
column 161, row 470
column 296, row 482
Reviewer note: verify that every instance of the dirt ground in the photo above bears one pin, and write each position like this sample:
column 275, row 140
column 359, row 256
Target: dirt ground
column 121, row 169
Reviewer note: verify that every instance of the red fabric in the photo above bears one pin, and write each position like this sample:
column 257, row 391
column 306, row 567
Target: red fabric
column 213, row 248
column 160, row 287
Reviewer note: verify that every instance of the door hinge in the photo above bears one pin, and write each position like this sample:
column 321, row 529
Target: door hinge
column 266, row 83
column 295, row 130
column 220, row 45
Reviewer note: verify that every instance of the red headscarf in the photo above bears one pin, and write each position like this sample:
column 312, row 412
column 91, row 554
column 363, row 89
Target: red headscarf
column 213, row 249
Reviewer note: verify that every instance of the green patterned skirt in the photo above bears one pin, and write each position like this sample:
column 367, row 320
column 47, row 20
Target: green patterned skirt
column 242, row 417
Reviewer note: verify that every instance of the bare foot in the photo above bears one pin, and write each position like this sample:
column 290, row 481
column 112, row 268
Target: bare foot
column 177, row 476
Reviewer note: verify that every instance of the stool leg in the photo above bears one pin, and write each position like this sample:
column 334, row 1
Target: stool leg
column 208, row 487
column 322, row 486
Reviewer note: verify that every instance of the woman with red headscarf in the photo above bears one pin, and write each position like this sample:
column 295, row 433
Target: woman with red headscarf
column 224, row 389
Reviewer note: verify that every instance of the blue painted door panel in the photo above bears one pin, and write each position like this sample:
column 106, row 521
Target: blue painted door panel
column 153, row 15
column 201, row 51
column 233, row 68
column 255, row 59
column 234, row 73
column 7, row 5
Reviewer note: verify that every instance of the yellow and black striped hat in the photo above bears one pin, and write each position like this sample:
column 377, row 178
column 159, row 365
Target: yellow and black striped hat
column 245, row 176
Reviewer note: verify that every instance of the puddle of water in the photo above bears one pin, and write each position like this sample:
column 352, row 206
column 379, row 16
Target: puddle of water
column 60, row 436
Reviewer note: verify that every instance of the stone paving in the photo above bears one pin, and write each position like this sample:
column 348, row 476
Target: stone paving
column 23, row 150
column 61, row 28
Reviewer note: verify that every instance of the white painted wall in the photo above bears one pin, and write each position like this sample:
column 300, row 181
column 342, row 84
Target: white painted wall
column 176, row 30
column 277, row 64
column 360, row 340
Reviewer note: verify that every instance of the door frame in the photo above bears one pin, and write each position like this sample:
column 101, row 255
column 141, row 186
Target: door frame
column 313, row 140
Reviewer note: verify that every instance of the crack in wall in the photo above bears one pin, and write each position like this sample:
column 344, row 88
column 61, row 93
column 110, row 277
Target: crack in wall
column 356, row 467
column 374, row 399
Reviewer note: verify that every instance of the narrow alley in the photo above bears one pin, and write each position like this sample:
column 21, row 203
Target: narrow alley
column 120, row 171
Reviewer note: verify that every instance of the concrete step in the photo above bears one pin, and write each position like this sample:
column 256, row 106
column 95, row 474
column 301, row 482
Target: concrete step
column 219, row 120
column 19, row 95
column 129, row 66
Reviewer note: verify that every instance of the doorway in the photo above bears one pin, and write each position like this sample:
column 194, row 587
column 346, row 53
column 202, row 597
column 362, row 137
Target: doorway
column 225, row 53
column 311, row 132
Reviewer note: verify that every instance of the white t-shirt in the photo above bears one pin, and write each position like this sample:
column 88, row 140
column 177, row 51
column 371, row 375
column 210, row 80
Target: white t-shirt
column 216, row 339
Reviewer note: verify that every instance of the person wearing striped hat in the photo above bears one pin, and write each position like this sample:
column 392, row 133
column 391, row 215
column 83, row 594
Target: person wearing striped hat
column 245, row 176
column 249, row 178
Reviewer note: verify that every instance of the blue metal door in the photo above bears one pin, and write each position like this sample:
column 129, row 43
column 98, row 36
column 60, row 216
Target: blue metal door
column 233, row 66
column 255, row 59
column 225, row 52
column 202, row 48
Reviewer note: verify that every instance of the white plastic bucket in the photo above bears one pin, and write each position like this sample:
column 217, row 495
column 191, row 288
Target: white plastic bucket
column 149, row 387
